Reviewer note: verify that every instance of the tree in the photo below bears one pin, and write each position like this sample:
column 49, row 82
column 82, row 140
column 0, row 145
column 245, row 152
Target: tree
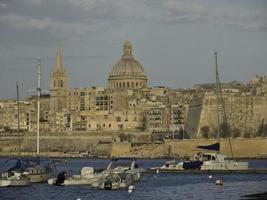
column 247, row 134
column 236, row 133
column 225, row 130
column 205, row 131
column 262, row 132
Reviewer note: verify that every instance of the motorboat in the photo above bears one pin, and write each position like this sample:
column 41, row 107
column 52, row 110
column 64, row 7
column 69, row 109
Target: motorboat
column 38, row 173
column 169, row 165
column 118, row 176
column 13, row 179
column 115, row 182
column 216, row 161
column 32, row 168
column 87, row 177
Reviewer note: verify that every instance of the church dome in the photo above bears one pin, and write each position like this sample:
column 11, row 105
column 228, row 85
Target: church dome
column 127, row 72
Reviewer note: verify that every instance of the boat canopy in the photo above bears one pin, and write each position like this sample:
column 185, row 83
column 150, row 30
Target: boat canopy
column 214, row 147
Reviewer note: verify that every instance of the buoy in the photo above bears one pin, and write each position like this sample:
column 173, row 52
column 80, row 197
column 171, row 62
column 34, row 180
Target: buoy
column 157, row 171
column 219, row 182
column 210, row 176
column 78, row 199
column 130, row 188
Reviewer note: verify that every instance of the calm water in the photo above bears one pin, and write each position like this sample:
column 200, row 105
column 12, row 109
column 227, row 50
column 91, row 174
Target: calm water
column 151, row 186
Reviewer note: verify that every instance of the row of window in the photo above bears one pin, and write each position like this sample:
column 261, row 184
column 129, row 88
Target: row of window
column 127, row 84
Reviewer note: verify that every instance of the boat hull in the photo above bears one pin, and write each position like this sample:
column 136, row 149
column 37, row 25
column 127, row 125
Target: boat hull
column 224, row 165
column 14, row 182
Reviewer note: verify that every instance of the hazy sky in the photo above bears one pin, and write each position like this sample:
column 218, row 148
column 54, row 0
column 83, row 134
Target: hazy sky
column 174, row 40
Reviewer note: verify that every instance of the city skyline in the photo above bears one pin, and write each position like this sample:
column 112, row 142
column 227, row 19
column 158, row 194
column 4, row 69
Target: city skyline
column 173, row 40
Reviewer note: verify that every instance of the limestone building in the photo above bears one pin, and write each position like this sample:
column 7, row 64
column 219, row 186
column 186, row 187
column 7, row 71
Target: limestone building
column 127, row 104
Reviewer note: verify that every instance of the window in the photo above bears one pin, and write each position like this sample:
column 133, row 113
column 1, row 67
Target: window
column 123, row 84
column 128, row 84
column 118, row 119
column 61, row 83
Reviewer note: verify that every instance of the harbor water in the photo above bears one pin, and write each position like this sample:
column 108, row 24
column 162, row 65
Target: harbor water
column 151, row 186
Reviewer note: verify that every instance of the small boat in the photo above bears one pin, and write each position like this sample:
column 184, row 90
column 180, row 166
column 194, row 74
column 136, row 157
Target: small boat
column 13, row 179
column 116, row 182
column 216, row 161
column 87, row 177
column 169, row 165
column 38, row 173
column 118, row 176
column 31, row 168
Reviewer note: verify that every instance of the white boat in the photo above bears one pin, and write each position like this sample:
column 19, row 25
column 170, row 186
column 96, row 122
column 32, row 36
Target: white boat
column 169, row 165
column 87, row 177
column 215, row 161
column 118, row 177
column 38, row 174
column 13, row 178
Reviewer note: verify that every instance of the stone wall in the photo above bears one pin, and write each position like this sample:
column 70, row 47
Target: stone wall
column 245, row 114
column 103, row 146
column 242, row 148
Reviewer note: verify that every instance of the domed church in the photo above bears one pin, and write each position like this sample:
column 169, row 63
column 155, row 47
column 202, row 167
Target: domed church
column 127, row 72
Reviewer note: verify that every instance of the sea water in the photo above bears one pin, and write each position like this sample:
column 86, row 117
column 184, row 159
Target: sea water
column 151, row 186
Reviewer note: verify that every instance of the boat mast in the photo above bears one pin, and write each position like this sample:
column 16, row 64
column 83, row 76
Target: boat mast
column 38, row 106
column 217, row 94
column 18, row 117
column 220, row 97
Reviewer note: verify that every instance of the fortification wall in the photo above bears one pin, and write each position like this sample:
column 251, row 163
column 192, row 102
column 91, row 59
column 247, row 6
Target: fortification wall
column 245, row 114
column 74, row 145
column 242, row 148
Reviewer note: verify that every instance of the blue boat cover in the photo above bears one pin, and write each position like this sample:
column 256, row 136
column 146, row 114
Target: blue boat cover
column 214, row 147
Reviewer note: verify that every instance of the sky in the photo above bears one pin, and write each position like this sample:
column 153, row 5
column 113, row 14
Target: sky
column 174, row 40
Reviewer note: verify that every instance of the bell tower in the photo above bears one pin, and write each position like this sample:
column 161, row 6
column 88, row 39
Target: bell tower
column 58, row 85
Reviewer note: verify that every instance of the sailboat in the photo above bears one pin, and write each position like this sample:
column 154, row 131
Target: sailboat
column 12, row 177
column 211, row 159
column 215, row 160
column 36, row 172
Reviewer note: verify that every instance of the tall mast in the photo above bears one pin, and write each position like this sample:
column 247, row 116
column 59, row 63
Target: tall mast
column 18, row 117
column 220, row 100
column 38, row 105
column 217, row 95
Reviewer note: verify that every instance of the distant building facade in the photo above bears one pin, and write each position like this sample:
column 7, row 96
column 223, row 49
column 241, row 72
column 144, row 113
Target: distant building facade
column 128, row 104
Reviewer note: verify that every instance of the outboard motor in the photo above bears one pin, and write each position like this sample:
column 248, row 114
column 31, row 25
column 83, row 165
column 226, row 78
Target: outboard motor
column 108, row 184
column 60, row 178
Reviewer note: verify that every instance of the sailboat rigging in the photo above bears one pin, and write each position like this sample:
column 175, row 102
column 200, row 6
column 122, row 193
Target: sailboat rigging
column 14, row 177
column 35, row 171
column 216, row 161
column 212, row 160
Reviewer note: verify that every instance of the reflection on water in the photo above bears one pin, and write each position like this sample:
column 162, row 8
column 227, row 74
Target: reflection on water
column 151, row 185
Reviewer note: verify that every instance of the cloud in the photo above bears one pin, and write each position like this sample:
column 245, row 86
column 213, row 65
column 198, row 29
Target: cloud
column 194, row 12
column 3, row 5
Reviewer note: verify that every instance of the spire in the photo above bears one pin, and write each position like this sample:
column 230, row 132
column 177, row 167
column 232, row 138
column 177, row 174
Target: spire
column 58, row 66
column 127, row 49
